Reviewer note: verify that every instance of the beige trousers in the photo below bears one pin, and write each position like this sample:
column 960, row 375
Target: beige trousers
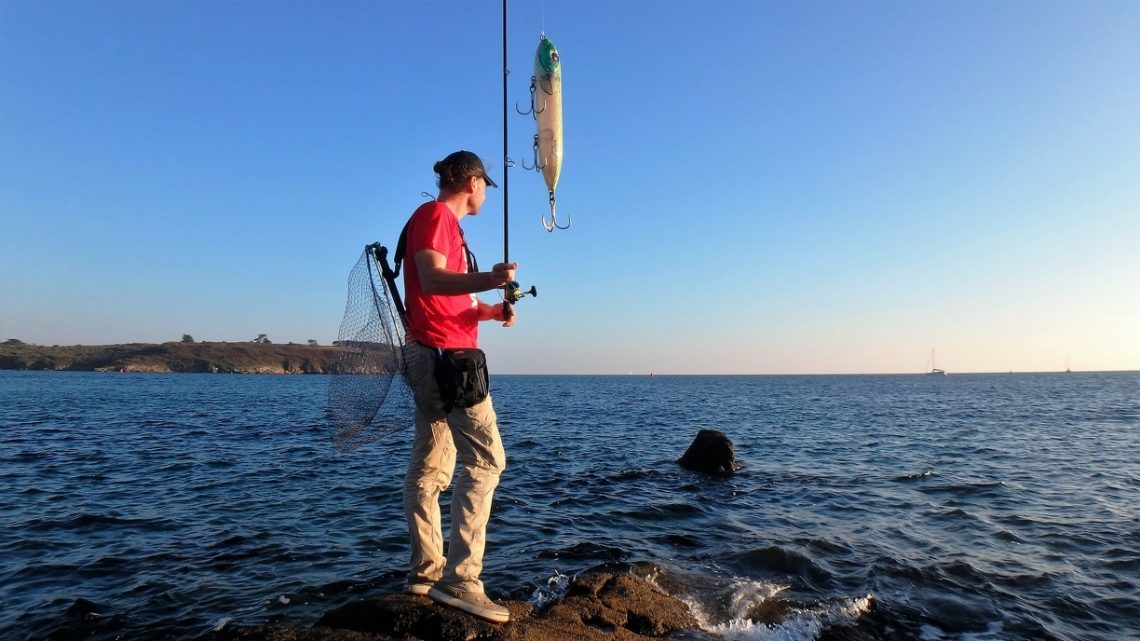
column 473, row 434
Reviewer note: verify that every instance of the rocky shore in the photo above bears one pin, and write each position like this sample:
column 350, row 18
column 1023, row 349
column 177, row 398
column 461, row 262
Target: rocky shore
column 616, row 603
column 597, row 606
column 215, row 358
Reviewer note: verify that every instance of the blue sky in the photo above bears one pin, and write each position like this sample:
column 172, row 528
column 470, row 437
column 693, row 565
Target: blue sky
column 756, row 187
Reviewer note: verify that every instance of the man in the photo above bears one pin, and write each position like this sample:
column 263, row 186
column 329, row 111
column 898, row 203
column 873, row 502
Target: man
column 443, row 313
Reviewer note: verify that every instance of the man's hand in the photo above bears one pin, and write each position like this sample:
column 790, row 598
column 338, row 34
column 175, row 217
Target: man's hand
column 502, row 273
column 507, row 314
column 500, row 312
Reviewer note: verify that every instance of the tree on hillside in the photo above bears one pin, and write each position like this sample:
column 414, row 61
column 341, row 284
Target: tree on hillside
column 13, row 341
column 262, row 338
column 313, row 342
column 186, row 338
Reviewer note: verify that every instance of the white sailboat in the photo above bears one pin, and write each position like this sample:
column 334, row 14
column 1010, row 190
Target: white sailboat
column 934, row 371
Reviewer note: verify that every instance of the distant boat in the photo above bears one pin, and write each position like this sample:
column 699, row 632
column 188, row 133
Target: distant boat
column 934, row 371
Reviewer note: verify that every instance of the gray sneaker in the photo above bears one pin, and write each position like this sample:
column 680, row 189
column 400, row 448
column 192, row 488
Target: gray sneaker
column 475, row 603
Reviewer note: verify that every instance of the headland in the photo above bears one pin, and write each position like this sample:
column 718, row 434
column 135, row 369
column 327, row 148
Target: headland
column 196, row 357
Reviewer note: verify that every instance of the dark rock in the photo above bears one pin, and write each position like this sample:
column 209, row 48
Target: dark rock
column 611, row 602
column 417, row 617
column 84, row 610
column 710, row 452
column 599, row 606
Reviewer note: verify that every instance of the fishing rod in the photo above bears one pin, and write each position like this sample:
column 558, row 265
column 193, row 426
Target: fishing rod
column 512, row 292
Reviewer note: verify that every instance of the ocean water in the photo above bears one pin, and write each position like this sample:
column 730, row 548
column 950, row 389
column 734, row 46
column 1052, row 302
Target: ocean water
column 972, row 507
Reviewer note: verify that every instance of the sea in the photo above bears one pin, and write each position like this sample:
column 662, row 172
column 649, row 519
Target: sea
column 967, row 507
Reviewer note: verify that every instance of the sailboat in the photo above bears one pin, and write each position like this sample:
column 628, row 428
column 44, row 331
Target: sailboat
column 934, row 371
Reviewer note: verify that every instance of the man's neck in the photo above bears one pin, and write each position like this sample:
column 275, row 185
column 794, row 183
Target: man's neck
column 457, row 203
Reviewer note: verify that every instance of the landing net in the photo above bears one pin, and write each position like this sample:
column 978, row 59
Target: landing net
column 369, row 396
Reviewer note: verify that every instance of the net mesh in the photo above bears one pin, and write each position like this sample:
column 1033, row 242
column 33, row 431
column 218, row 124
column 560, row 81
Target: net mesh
column 369, row 396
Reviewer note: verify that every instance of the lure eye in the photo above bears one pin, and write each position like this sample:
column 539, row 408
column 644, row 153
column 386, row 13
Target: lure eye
column 554, row 56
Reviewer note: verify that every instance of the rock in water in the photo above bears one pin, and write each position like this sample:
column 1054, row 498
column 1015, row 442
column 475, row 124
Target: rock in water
column 711, row 452
column 599, row 606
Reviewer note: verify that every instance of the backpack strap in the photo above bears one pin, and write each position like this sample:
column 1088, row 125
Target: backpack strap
column 402, row 249
column 380, row 253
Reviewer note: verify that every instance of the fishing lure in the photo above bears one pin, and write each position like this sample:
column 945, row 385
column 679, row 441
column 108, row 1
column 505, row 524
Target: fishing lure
column 546, row 107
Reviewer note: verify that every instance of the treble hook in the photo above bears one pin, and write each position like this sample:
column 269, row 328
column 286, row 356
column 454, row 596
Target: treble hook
column 530, row 111
column 538, row 165
column 553, row 224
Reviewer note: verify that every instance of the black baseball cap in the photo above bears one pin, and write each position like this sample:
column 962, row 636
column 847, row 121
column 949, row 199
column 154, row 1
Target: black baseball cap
column 461, row 165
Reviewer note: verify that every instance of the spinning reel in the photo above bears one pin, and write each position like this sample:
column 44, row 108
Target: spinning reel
column 513, row 292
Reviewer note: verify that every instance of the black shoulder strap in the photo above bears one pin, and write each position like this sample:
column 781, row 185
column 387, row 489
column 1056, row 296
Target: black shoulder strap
column 380, row 252
column 402, row 248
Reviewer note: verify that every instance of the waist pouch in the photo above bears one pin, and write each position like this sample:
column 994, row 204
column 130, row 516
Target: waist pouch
column 462, row 377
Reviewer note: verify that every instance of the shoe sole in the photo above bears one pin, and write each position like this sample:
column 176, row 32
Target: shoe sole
column 470, row 608
column 419, row 589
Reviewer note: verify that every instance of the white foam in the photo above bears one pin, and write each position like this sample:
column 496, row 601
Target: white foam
column 803, row 624
column 748, row 595
column 554, row 589
column 745, row 595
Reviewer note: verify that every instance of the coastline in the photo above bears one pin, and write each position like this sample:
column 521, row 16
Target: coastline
column 174, row 357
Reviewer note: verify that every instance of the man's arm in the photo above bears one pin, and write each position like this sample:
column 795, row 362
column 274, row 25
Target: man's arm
column 437, row 280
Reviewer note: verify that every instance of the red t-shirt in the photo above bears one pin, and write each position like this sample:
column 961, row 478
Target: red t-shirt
column 448, row 322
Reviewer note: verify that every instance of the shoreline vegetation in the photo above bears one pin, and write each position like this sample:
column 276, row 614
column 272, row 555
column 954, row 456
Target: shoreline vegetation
column 178, row 357
column 259, row 356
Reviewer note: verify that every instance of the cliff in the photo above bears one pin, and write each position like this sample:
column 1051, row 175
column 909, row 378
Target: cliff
column 244, row 358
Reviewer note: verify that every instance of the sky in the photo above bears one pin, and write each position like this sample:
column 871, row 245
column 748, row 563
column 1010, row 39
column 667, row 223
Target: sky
column 800, row 187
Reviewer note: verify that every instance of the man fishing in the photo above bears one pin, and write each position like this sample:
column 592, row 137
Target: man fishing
column 453, row 413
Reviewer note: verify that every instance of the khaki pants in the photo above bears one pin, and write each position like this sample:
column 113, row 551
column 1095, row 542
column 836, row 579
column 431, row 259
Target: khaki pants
column 473, row 434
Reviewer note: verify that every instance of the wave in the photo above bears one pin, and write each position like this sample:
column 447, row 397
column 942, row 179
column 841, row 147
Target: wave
column 782, row 561
column 585, row 551
column 967, row 489
column 750, row 610
column 664, row 512
column 83, row 521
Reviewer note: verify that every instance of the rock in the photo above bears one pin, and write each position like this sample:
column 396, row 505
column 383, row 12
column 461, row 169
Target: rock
column 598, row 606
column 710, row 452
column 612, row 602
column 418, row 617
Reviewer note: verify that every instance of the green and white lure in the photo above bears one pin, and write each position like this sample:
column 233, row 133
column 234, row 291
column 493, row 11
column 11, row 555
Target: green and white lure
column 546, row 107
